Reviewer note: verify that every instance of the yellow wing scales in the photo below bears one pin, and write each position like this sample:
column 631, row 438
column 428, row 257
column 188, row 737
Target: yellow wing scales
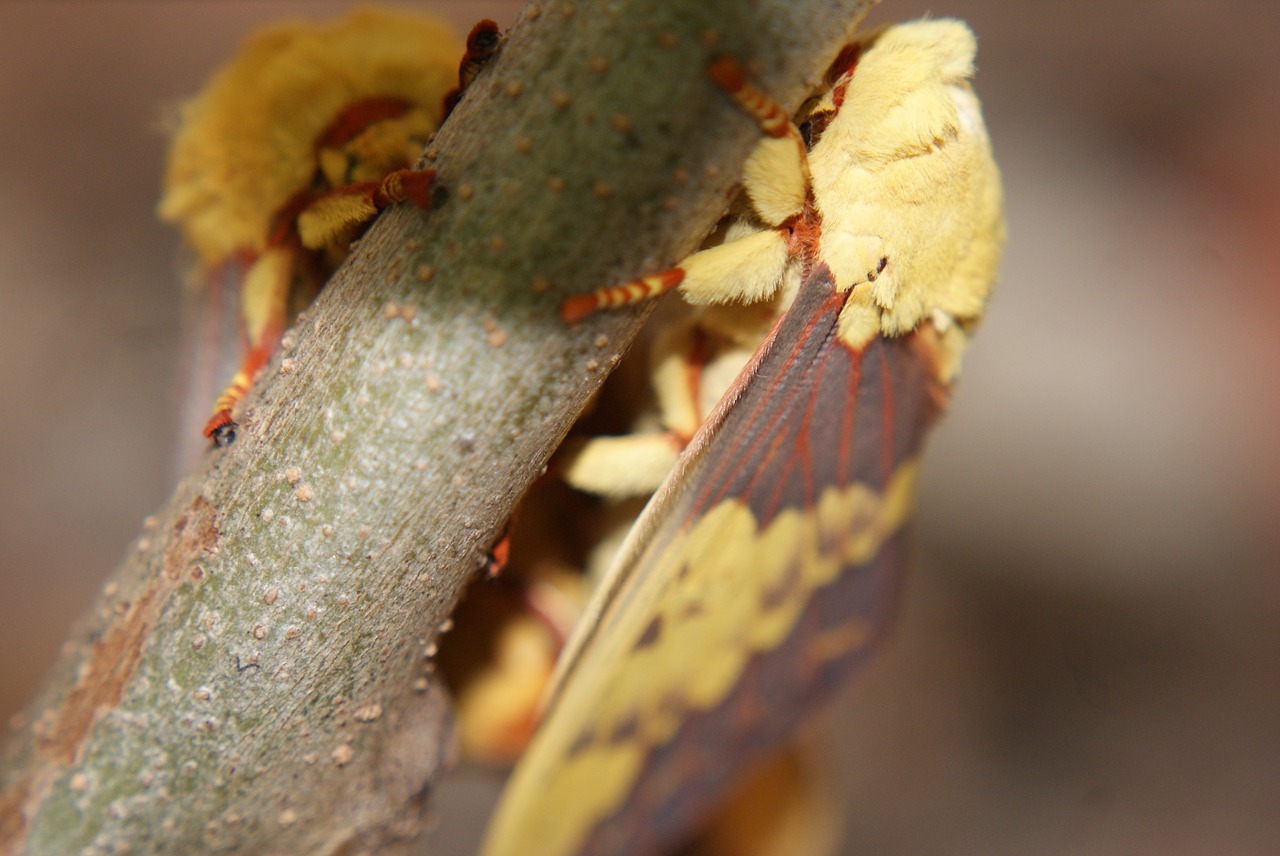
column 593, row 743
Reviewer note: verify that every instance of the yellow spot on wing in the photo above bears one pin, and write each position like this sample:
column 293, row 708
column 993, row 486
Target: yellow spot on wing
column 676, row 638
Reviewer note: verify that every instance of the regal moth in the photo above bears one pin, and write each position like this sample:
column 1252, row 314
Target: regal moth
column 763, row 572
column 291, row 150
column 277, row 165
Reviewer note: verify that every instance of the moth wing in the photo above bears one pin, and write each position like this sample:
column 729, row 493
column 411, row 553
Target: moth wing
column 757, row 579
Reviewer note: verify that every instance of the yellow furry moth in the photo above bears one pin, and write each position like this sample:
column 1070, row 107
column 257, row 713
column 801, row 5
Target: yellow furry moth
column 291, row 150
column 764, row 570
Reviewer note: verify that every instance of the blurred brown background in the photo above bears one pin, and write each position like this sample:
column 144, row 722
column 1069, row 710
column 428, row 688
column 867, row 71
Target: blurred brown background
column 1089, row 656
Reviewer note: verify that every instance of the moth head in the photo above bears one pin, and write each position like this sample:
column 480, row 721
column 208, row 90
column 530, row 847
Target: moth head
column 249, row 142
column 905, row 182
column 374, row 144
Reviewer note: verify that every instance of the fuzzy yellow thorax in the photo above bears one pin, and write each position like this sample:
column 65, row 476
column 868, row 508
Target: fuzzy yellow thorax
column 904, row 173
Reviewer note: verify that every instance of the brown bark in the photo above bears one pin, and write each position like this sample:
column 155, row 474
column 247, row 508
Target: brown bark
column 254, row 676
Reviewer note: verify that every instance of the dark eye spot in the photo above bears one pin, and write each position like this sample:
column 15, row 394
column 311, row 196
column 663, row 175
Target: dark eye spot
column 811, row 129
column 873, row 275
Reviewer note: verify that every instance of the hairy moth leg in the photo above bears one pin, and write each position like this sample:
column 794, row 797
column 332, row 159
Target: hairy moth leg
column 623, row 466
column 332, row 218
column 692, row 361
column 263, row 310
column 776, row 175
column 775, row 180
column 748, row 267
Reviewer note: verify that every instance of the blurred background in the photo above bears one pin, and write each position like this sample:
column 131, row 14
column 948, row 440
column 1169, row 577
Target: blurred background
column 1088, row 659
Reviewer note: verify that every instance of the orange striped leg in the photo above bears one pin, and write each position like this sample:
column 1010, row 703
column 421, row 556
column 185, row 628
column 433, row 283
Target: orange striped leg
column 575, row 308
column 776, row 176
column 726, row 72
column 221, row 427
column 335, row 215
column 264, row 300
column 776, row 124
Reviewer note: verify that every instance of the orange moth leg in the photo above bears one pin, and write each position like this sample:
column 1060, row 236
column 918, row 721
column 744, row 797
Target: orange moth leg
column 575, row 308
column 726, row 72
column 750, row 268
column 264, row 312
column 776, row 175
column 265, row 299
column 495, row 560
column 221, row 427
column 332, row 217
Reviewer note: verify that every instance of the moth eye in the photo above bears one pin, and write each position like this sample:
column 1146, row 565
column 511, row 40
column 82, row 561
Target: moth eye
column 811, row 129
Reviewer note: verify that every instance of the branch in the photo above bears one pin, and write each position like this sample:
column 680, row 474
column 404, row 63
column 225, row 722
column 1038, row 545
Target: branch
column 254, row 677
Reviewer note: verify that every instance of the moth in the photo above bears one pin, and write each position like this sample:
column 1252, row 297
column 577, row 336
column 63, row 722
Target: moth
column 289, row 153
column 283, row 159
column 763, row 572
